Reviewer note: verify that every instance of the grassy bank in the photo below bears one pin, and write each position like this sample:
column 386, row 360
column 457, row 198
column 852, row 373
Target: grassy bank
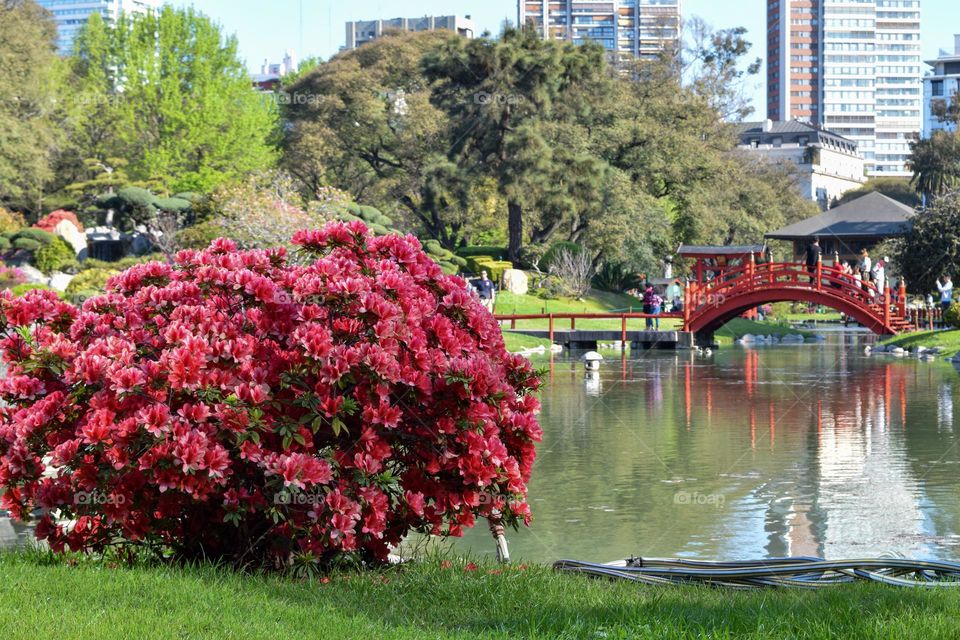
column 50, row 599
column 517, row 341
column 739, row 327
column 594, row 302
column 948, row 341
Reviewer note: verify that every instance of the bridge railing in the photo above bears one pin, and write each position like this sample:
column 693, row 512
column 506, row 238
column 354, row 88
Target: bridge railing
column 827, row 279
column 552, row 319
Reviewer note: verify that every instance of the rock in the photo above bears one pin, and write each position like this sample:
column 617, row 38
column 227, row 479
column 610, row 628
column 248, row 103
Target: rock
column 32, row 274
column 879, row 348
column 920, row 350
column 934, row 350
column 74, row 237
column 747, row 337
column 898, row 351
column 59, row 281
column 516, row 281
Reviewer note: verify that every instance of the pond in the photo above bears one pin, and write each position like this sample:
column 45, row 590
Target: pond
column 746, row 453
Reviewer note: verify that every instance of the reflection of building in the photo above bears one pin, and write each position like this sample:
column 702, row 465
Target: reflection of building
column 71, row 15
column 851, row 67
column 639, row 27
column 850, row 227
column 941, row 86
column 363, row 31
column 826, row 165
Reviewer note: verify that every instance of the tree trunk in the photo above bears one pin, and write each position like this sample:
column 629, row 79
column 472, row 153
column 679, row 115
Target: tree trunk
column 514, row 230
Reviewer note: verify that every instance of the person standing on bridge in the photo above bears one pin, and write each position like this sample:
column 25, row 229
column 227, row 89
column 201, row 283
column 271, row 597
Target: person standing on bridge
column 812, row 257
column 866, row 269
column 879, row 275
column 946, row 292
column 651, row 305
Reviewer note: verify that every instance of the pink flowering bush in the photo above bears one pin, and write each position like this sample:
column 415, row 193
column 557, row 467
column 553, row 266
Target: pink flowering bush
column 50, row 221
column 240, row 406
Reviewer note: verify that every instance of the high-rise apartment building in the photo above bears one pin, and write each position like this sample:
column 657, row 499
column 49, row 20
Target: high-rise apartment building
column 642, row 28
column 850, row 66
column 71, row 15
column 362, row 31
column 941, row 86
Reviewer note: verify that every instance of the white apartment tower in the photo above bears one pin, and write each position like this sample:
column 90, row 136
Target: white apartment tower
column 641, row 28
column 71, row 15
column 941, row 85
column 850, row 66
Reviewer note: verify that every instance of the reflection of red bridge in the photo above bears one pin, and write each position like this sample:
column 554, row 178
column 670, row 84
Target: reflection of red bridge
column 712, row 303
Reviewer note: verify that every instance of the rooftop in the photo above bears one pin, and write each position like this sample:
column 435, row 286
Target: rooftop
column 792, row 132
column 872, row 215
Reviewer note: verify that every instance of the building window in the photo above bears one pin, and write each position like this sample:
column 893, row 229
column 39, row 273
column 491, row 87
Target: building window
column 937, row 87
column 777, row 142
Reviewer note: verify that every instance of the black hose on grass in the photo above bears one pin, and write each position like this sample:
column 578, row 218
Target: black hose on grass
column 805, row 572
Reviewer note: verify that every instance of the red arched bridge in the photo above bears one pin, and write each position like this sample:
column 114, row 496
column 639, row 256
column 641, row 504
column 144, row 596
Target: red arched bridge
column 729, row 282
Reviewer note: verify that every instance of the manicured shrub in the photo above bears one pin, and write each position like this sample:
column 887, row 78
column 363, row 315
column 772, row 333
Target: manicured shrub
column 5, row 244
column 27, row 244
column 50, row 221
column 56, row 256
column 494, row 268
column 243, row 407
column 473, row 263
column 200, row 235
column 32, row 233
column 497, row 253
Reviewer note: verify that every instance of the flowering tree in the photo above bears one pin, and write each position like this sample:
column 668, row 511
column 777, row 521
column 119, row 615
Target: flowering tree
column 238, row 406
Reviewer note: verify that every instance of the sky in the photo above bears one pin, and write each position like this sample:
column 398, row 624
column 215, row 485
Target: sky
column 316, row 27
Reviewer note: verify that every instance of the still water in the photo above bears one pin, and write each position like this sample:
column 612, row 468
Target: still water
column 750, row 452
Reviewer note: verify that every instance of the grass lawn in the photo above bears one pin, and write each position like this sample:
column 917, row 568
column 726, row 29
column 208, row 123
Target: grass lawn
column 517, row 341
column 594, row 302
column 739, row 327
column 948, row 340
column 48, row 598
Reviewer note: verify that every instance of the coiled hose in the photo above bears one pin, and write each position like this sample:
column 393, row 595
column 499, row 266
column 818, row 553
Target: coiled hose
column 806, row 572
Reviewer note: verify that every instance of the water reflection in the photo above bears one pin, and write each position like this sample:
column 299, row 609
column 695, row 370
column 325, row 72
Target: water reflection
column 791, row 450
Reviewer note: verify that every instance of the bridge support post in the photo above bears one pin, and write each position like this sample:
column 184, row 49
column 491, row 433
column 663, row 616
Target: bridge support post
column 551, row 328
column 886, row 306
column 704, row 339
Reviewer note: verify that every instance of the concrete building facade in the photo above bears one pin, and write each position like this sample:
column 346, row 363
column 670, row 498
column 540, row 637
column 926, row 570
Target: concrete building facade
column 826, row 165
column 640, row 28
column 852, row 67
column 941, row 85
column 72, row 15
column 362, row 31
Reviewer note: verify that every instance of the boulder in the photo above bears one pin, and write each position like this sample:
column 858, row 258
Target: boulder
column 59, row 281
column 32, row 274
column 516, row 281
column 74, row 237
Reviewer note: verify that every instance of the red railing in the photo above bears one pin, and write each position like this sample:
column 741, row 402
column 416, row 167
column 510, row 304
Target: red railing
column 551, row 319
column 702, row 299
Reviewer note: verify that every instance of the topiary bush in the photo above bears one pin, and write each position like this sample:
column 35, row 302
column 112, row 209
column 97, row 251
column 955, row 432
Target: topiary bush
column 55, row 256
column 497, row 253
column 474, row 262
column 494, row 268
column 5, row 244
column 38, row 235
column 27, row 244
column 239, row 406
column 23, row 289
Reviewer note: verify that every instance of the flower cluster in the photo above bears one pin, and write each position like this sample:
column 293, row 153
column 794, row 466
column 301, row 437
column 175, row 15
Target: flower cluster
column 50, row 221
column 242, row 406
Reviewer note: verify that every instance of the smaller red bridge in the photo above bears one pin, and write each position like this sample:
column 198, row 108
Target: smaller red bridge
column 729, row 282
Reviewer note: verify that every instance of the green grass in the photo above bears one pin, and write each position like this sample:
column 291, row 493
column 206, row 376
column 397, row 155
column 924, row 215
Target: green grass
column 739, row 327
column 48, row 598
column 827, row 316
column 517, row 341
column 594, row 302
column 948, row 340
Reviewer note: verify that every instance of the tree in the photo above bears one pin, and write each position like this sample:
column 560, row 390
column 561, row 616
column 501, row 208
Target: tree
column 935, row 162
column 932, row 247
column 27, row 89
column 898, row 189
column 168, row 92
column 499, row 96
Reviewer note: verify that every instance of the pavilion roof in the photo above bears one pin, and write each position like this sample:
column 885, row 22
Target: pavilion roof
column 872, row 215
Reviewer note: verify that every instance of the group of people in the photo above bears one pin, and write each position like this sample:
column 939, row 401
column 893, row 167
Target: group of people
column 862, row 272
